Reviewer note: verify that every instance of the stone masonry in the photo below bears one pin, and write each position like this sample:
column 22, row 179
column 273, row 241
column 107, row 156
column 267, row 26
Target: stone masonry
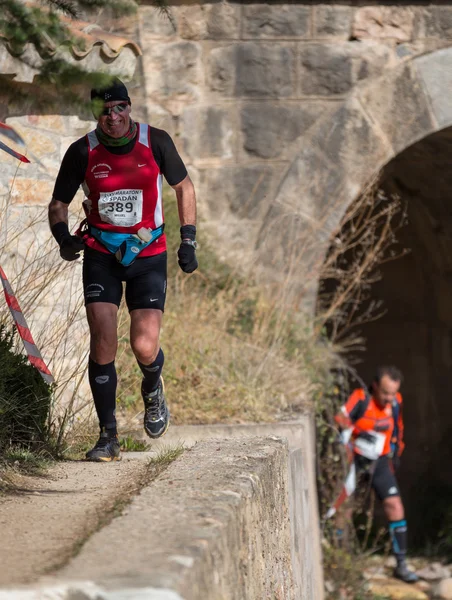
column 247, row 86
column 282, row 111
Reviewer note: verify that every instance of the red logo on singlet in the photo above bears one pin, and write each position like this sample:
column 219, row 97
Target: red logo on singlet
column 101, row 170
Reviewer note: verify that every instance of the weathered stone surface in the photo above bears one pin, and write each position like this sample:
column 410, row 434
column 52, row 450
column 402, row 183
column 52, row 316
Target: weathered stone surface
column 268, row 20
column 161, row 118
column 332, row 69
column 251, row 69
column 350, row 141
column 383, row 22
column 53, row 123
column 265, row 70
column 225, row 520
column 399, row 104
column 155, row 24
column 21, row 70
column 312, row 188
column 31, row 192
column 216, row 21
column 40, row 142
column 444, row 21
column 245, row 192
column 48, row 144
column 434, row 571
column 340, row 156
column 295, row 259
column 269, row 128
column 425, row 23
column 173, row 71
column 300, row 219
column 436, row 72
column 221, row 65
column 325, row 70
column 332, row 21
column 208, row 132
column 397, row 590
column 443, row 589
column 424, row 586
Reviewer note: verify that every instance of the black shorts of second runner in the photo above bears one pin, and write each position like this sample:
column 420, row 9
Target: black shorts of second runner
column 145, row 280
column 382, row 477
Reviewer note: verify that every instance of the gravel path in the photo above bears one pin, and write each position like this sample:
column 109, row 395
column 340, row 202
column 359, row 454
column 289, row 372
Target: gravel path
column 45, row 522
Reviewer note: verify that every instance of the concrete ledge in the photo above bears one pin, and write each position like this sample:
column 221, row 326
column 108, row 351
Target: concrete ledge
column 304, row 516
column 86, row 590
column 295, row 432
column 214, row 525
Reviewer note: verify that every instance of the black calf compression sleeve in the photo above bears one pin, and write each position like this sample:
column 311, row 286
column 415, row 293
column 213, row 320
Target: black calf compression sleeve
column 152, row 373
column 103, row 381
column 398, row 532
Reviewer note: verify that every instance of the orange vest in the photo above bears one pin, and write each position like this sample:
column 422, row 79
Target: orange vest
column 367, row 416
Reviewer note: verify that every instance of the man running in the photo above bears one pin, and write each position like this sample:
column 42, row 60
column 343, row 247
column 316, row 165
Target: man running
column 375, row 418
column 120, row 165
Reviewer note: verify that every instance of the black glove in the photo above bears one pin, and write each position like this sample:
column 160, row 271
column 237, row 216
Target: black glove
column 71, row 247
column 187, row 250
column 187, row 256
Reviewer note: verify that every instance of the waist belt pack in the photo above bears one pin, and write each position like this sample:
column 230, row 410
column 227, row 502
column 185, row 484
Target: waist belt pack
column 126, row 246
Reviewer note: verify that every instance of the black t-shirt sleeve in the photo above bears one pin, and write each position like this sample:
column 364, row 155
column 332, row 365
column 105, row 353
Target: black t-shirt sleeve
column 167, row 156
column 72, row 171
column 357, row 411
column 75, row 162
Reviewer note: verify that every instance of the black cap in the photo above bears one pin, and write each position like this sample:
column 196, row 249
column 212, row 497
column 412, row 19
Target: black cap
column 116, row 91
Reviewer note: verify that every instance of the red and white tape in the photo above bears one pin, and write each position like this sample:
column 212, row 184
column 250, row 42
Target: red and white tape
column 34, row 356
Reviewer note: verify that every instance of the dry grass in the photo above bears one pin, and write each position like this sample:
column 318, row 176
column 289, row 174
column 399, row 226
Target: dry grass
column 231, row 355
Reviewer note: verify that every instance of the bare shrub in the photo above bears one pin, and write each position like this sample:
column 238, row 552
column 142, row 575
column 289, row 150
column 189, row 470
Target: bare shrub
column 50, row 296
column 365, row 239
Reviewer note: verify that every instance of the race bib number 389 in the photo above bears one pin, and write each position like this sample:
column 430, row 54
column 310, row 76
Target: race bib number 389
column 122, row 208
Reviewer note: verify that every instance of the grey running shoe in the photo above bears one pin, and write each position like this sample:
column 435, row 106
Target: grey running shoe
column 403, row 572
column 106, row 449
column 156, row 412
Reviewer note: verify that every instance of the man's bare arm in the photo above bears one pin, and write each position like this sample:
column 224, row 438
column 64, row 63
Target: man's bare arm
column 186, row 204
column 186, row 201
column 58, row 212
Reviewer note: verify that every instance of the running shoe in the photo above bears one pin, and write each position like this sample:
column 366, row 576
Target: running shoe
column 403, row 572
column 106, row 449
column 156, row 412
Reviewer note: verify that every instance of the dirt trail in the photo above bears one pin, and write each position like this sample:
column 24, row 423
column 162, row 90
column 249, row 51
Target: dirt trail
column 44, row 523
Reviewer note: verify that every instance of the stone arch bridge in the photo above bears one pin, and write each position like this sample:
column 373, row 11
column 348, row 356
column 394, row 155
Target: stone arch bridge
column 284, row 112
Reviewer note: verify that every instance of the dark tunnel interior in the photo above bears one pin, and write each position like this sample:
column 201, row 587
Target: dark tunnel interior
column 415, row 334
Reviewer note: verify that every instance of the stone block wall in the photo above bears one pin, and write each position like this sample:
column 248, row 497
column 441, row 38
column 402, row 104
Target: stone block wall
column 282, row 111
column 242, row 87
column 243, row 83
column 48, row 289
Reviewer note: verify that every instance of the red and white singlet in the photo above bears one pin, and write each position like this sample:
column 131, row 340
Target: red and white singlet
column 124, row 192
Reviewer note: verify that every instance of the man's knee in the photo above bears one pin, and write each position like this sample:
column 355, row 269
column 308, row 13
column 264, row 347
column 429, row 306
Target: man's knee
column 146, row 347
column 145, row 334
column 393, row 508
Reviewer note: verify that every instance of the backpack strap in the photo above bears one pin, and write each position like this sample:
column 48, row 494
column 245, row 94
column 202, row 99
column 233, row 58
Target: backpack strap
column 395, row 432
column 362, row 406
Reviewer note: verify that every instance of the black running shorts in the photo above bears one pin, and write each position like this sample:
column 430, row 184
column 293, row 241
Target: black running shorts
column 380, row 473
column 145, row 280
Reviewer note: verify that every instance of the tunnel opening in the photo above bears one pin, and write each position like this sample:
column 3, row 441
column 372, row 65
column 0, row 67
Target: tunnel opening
column 414, row 332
